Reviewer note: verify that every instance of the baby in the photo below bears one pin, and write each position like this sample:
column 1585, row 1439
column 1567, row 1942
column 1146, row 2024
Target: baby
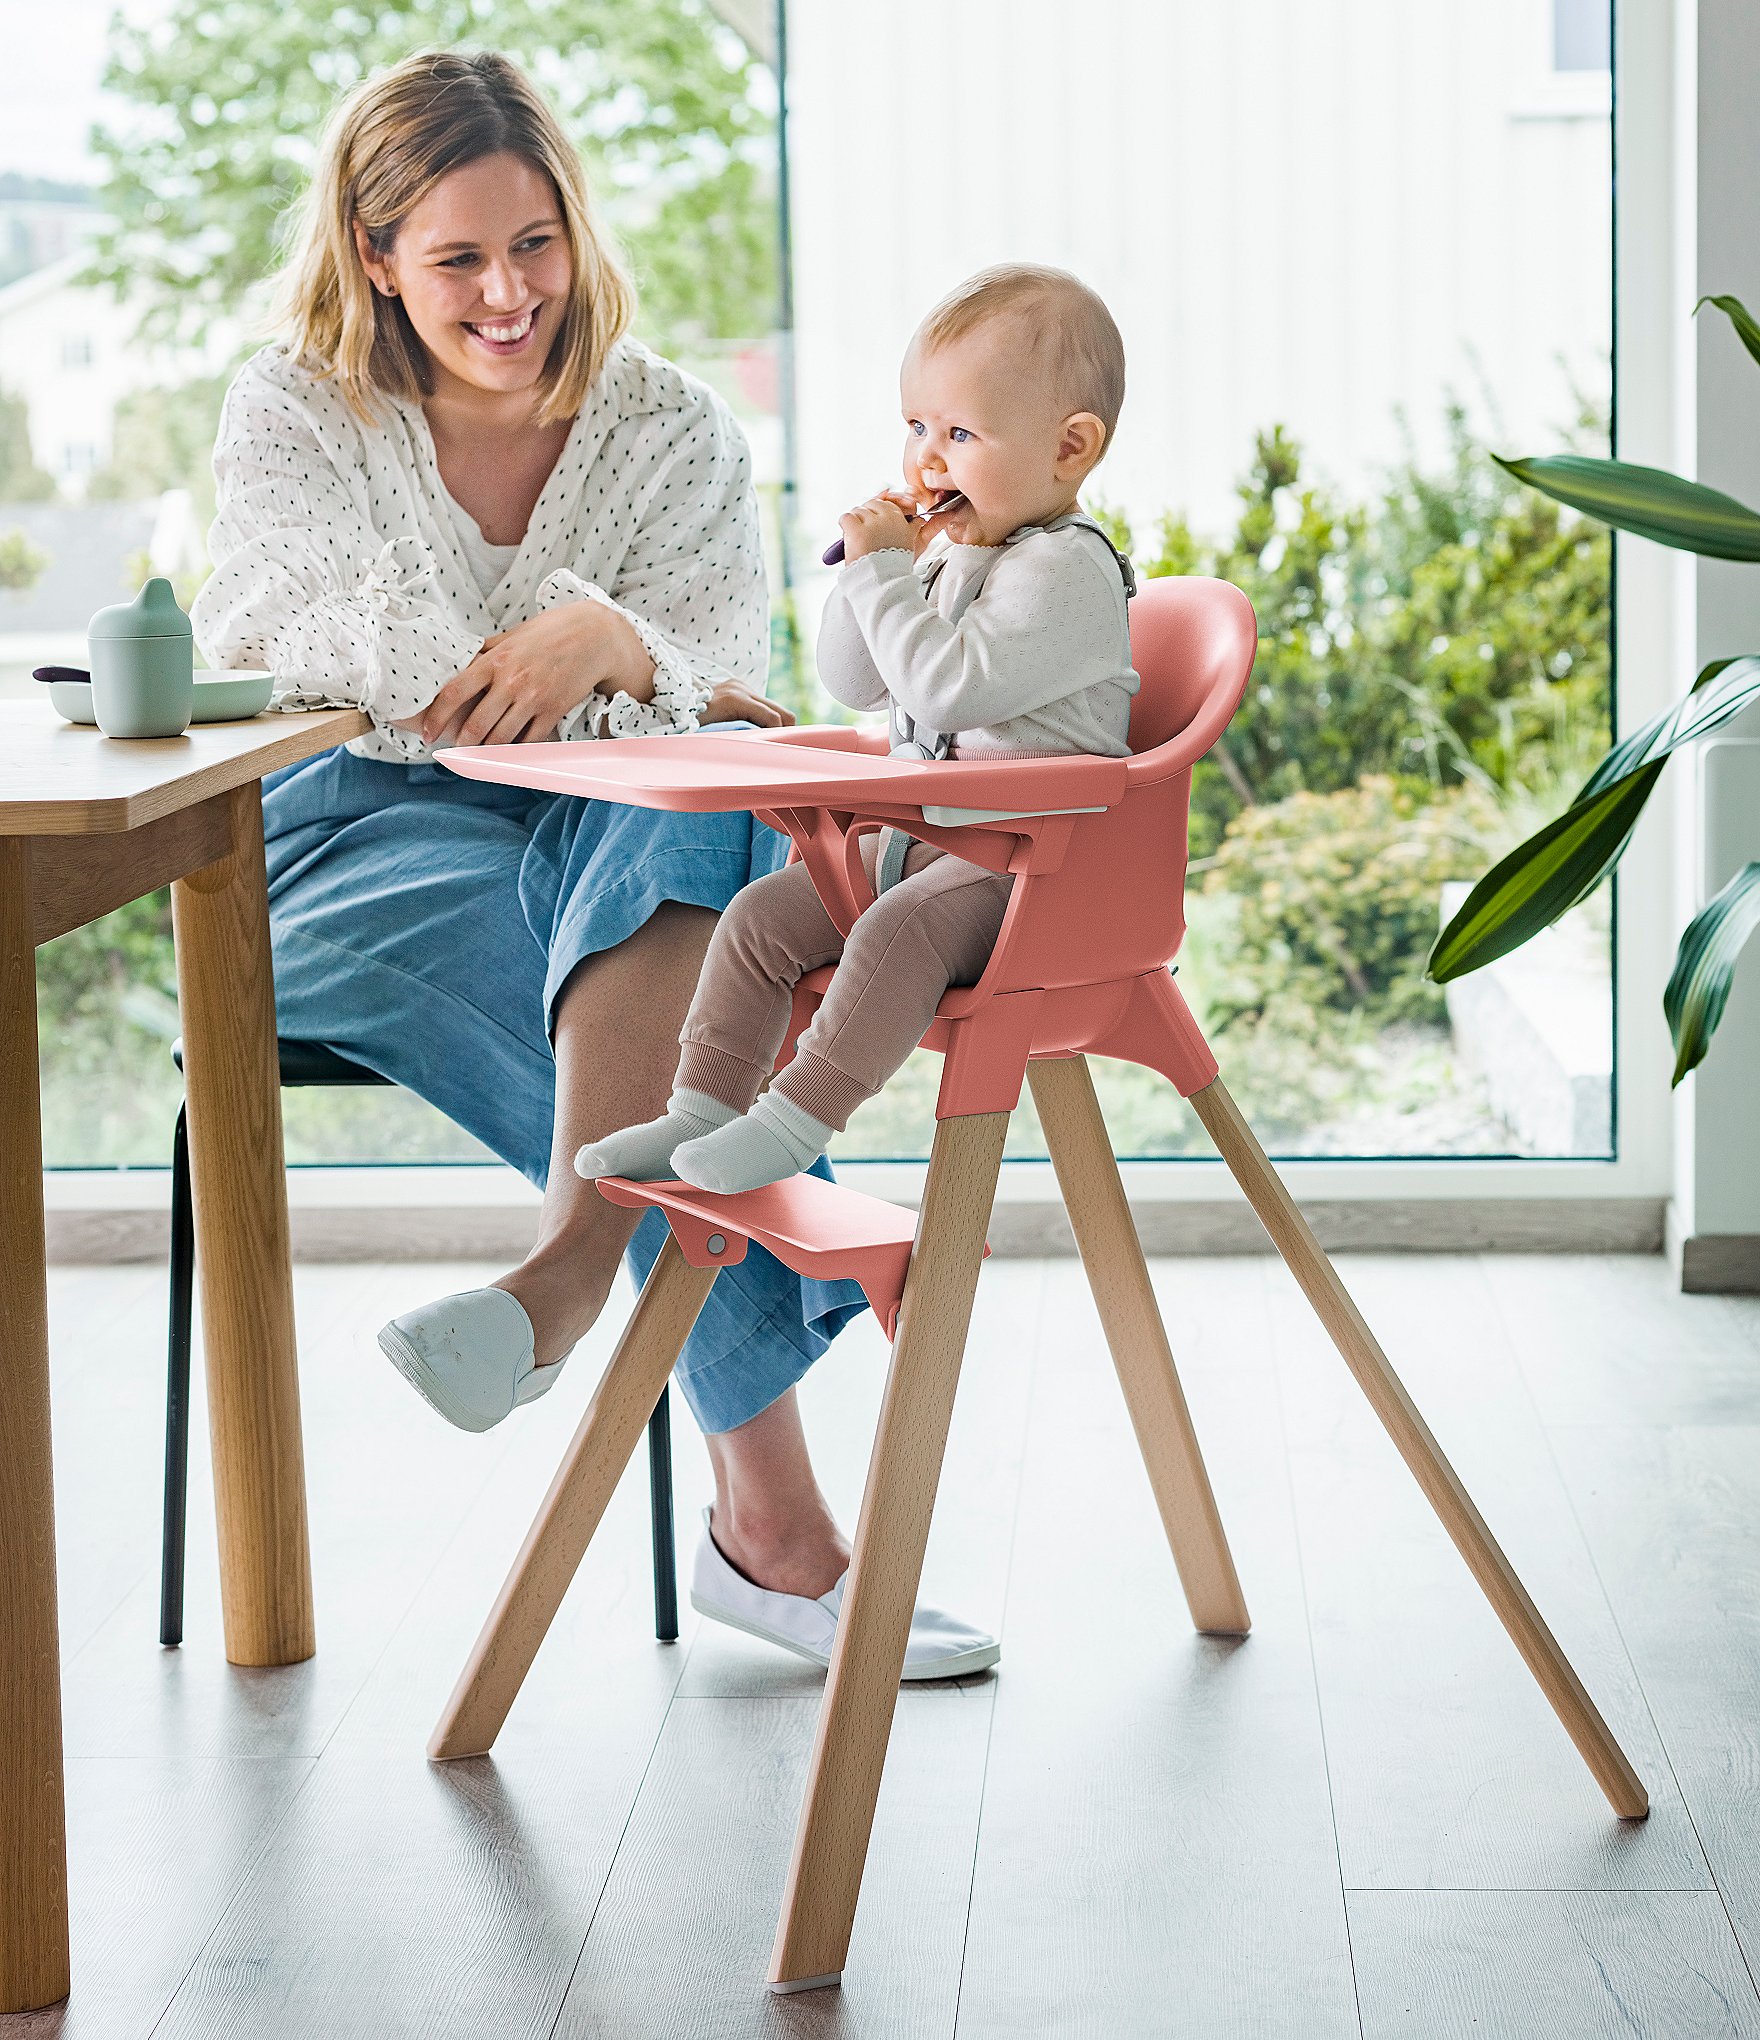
column 991, row 627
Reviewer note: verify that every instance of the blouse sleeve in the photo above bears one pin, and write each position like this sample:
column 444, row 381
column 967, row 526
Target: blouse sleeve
column 691, row 584
column 304, row 586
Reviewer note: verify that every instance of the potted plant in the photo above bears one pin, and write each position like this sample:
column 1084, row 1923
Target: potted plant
column 1563, row 863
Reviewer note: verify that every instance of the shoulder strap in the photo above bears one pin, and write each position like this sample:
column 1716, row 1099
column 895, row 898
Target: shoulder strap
column 1081, row 519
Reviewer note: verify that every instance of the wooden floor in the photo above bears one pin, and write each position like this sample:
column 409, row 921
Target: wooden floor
column 1362, row 1820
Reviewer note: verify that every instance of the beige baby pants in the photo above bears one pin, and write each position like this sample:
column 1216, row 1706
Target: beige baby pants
column 935, row 928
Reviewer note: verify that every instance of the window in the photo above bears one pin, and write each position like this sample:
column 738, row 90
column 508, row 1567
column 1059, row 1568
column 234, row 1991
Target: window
column 1582, row 35
column 1345, row 278
column 76, row 350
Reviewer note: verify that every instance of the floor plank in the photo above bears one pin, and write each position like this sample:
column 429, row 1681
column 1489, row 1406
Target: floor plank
column 157, row 1848
column 681, row 1946
column 1610, row 1339
column 1157, row 1853
column 1673, row 1517
column 1449, row 1768
column 1568, row 1965
column 1129, row 1831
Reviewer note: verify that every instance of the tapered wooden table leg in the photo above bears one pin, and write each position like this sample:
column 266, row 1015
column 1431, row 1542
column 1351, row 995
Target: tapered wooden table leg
column 557, row 1542
column 1100, row 1215
column 227, row 994
column 873, row 1627
column 1411, row 1435
column 33, row 1827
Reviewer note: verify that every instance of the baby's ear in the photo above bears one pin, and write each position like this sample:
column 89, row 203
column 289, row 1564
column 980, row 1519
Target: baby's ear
column 1082, row 442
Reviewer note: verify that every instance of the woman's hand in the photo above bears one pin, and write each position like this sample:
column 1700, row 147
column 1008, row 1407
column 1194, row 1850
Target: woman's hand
column 730, row 702
column 525, row 680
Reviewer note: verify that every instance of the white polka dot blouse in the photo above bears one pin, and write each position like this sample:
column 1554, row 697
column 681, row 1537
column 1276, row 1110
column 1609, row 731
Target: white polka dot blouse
column 338, row 565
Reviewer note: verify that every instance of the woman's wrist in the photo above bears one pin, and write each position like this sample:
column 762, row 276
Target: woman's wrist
column 633, row 666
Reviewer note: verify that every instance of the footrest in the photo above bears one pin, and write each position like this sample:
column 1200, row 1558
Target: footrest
column 814, row 1227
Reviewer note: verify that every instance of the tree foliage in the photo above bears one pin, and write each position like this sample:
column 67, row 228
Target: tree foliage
column 228, row 99
column 21, row 480
column 163, row 438
column 1453, row 628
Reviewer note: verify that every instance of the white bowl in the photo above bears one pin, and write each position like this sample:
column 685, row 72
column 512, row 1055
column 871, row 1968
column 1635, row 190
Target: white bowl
column 220, row 697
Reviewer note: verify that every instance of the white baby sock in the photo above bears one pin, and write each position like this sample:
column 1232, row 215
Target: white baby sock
column 643, row 1154
column 775, row 1139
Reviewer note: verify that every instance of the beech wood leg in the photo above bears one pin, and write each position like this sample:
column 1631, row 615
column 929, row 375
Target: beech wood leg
column 557, row 1542
column 33, row 1826
column 232, row 1087
column 1093, row 1195
column 873, row 1627
column 1411, row 1435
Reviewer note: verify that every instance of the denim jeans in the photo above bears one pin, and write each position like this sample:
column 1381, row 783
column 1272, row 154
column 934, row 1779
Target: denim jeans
column 424, row 925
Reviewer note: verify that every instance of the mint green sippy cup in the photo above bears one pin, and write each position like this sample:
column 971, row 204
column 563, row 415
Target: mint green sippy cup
column 143, row 665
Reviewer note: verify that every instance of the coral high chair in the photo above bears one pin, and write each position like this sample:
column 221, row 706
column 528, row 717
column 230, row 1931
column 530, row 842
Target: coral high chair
column 1098, row 849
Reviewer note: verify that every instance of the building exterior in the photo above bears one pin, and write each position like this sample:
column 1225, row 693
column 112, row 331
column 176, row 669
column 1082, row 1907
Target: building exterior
column 72, row 353
column 1321, row 216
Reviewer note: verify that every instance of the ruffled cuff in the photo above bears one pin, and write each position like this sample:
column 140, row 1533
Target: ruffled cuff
column 387, row 631
column 681, row 690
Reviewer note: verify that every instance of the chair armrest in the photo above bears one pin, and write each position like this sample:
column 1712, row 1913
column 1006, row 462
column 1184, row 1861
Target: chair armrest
column 867, row 739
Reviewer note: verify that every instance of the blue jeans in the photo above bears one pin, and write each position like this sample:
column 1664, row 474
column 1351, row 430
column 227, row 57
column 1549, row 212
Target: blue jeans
column 424, row 925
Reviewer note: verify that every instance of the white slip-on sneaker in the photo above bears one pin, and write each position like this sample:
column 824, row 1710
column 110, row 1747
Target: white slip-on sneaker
column 471, row 1356
column 940, row 1646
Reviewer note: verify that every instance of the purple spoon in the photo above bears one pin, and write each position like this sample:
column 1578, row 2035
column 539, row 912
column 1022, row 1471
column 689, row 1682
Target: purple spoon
column 833, row 554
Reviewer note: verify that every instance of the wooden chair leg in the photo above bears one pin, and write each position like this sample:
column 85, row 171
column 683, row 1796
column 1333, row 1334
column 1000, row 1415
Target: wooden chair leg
column 1093, row 1195
column 557, row 1542
column 855, row 1722
column 1411, row 1435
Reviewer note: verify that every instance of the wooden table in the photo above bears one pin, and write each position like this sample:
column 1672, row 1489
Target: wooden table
column 86, row 825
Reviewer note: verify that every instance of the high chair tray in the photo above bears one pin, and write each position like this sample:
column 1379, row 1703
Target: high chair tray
column 708, row 774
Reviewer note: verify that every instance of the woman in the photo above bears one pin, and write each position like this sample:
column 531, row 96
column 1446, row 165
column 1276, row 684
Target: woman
column 460, row 498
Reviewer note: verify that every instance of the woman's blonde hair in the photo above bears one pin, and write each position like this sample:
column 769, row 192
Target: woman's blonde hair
column 387, row 146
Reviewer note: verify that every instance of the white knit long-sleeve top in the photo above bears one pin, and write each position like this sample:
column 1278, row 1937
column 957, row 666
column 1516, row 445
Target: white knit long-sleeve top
column 1014, row 650
column 338, row 563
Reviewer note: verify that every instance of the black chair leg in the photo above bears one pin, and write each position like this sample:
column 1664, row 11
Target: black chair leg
column 183, row 1261
column 660, row 1494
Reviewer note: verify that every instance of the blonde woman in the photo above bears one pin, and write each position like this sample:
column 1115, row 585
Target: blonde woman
column 457, row 495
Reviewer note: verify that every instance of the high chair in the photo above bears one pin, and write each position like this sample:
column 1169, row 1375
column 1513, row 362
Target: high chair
column 1098, row 849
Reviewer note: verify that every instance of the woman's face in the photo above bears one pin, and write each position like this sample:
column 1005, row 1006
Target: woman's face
column 482, row 265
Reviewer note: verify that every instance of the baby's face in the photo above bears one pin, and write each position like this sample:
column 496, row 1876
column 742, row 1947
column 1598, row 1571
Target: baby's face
column 979, row 420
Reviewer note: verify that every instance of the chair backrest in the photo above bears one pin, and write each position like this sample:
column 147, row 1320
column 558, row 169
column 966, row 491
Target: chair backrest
column 1192, row 643
column 1115, row 906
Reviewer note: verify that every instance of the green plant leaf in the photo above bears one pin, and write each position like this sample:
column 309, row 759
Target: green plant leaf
column 1723, row 689
column 1704, row 965
column 1649, row 501
column 1541, row 879
column 1563, row 863
column 1742, row 320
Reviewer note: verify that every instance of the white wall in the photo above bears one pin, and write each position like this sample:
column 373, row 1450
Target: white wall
column 1312, row 211
column 1717, row 1181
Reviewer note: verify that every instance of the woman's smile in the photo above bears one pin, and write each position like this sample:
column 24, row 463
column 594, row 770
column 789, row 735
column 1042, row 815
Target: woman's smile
column 504, row 336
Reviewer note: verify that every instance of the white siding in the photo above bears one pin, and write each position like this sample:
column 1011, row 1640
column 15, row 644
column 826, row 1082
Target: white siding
column 1317, row 212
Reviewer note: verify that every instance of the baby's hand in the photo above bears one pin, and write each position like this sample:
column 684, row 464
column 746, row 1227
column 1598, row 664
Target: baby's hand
column 878, row 525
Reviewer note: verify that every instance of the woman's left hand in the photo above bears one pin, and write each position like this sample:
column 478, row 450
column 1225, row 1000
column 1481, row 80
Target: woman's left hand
column 730, row 702
column 524, row 681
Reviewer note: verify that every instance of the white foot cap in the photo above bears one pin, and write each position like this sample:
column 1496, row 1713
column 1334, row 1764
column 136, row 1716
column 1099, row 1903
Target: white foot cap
column 806, row 1983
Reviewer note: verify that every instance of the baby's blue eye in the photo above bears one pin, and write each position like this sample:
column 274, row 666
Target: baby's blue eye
column 959, row 432
column 918, row 427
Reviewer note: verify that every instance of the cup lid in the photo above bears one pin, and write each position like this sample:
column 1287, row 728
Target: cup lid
column 152, row 614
